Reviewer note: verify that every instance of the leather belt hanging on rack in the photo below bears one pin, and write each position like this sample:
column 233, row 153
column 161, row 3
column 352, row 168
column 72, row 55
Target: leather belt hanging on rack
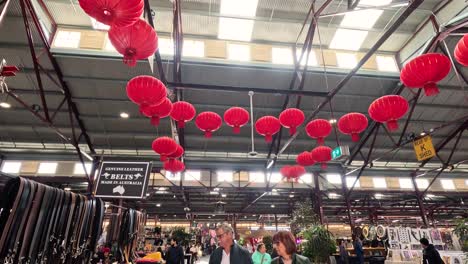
column 41, row 224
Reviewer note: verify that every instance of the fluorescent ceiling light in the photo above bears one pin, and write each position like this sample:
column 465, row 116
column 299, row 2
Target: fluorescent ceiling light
column 276, row 177
column 364, row 19
column 193, row 48
column 346, row 60
column 386, row 63
column 173, row 177
column 223, row 195
column 348, row 39
column 192, row 175
column 5, row 105
column 67, row 39
column 374, row 2
column 272, row 206
column 238, row 52
column 235, row 29
column 306, row 178
column 333, row 195
column 214, row 193
column 405, row 183
column 312, row 58
column 447, row 184
column 124, row 115
column 246, row 8
column 334, row 178
column 422, row 183
column 378, row 196
column 430, row 196
column 98, row 25
column 281, row 56
column 224, row 176
column 350, row 182
column 379, row 182
column 13, row 167
column 79, row 170
column 67, row 189
column 257, row 176
column 47, row 168
column 158, row 205
column 466, row 182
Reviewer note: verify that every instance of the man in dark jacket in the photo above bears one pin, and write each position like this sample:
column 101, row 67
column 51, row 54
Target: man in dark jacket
column 228, row 251
column 430, row 253
column 175, row 254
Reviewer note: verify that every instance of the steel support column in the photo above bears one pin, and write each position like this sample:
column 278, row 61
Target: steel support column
column 420, row 201
column 318, row 199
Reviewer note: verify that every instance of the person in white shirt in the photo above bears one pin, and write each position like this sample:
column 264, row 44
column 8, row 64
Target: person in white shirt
column 228, row 251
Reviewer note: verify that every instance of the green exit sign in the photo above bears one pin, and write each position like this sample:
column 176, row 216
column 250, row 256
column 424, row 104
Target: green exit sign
column 340, row 152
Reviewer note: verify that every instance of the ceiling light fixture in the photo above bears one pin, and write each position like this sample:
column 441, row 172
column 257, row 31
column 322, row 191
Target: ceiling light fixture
column 124, row 115
column 291, row 196
column 223, row 195
column 158, row 205
column 272, row 206
column 67, row 189
column 5, row 105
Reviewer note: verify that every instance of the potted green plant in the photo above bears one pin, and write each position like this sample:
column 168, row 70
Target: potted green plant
column 319, row 244
column 461, row 230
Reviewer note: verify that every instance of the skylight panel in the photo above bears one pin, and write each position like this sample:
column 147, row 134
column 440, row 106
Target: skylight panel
column 346, row 60
column 238, row 52
column 379, row 182
column 224, row 176
column 235, row 29
column 98, row 25
column 192, row 175
column 11, row 167
column 173, row 177
column 306, row 178
column 276, row 177
column 374, row 2
column 405, row 183
column 257, row 177
column 334, row 178
column 79, row 170
column 386, row 63
column 67, row 39
column 47, row 168
column 350, row 182
column 348, row 39
column 245, row 8
column 166, row 46
column 281, row 56
column 364, row 19
column 193, row 48
column 447, row 184
column 312, row 58
column 109, row 46
column 422, row 183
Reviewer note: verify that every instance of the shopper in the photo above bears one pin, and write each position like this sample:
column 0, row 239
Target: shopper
column 344, row 258
column 163, row 256
column 260, row 256
column 358, row 249
column 430, row 253
column 286, row 248
column 175, row 254
column 228, row 251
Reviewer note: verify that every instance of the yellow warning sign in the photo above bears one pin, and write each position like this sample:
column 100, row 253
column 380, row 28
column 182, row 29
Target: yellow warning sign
column 423, row 148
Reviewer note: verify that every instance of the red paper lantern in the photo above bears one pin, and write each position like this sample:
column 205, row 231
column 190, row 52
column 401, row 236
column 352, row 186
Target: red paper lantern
column 135, row 42
column 322, row 154
column 115, row 13
column 285, row 171
column 236, row 117
column 292, row 118
column 146, row 90
column 388, row 109
column 267, row 126
column 164, row 146
column 178, row 153
column 353, row 124
column 305, row 159
column 461, row 51
column 295, row 172
column 174, row 166
column 156, row 112
column 425, row 71
column 319, row 129
column 208, row 122
column 182, row 112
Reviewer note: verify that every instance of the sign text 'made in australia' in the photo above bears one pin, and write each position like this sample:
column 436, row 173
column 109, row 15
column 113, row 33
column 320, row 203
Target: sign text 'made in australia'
column 127, row 180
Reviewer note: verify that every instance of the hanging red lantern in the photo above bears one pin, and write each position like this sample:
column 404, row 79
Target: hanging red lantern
column 208, row 122
column 178, row 153
column 267, row 126
column 236, row 117
column 292, row 118
column 164, row 146
column 135, row 42
column 461, row 51
column 305, row 159
column 353, row 124
column 156, row 112
column 115, row 13
column 182, row 112
column 388, row 109
column 295, row 172
column 146, row 90
column 322, row 154
column 425, row 71
column 319, row 129
column 284, row 171
column 174, row 166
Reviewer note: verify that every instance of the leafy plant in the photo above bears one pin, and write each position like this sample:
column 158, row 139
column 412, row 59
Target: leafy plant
column 241, row 242
column 179, row 234
column 157, row 230
column 268, row 241
column 319, row 245
column 461, row 230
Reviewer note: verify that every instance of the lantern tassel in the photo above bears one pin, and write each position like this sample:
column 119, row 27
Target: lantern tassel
column 392, row 125
column 323, row 166
column 181, row 124
column 208, row 134
column 268, row 138
column 155, row 121
column 236, row 130
column 292, row 130
column 355, row 137
column 320, row 141
column 130, row 61
column 431, row 89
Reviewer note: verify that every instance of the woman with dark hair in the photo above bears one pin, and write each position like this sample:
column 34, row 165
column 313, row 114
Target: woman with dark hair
column 260, row 256
column 286, row 248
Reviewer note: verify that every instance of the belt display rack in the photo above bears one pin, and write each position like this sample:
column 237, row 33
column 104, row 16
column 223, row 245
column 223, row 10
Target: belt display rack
column 42, row 224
